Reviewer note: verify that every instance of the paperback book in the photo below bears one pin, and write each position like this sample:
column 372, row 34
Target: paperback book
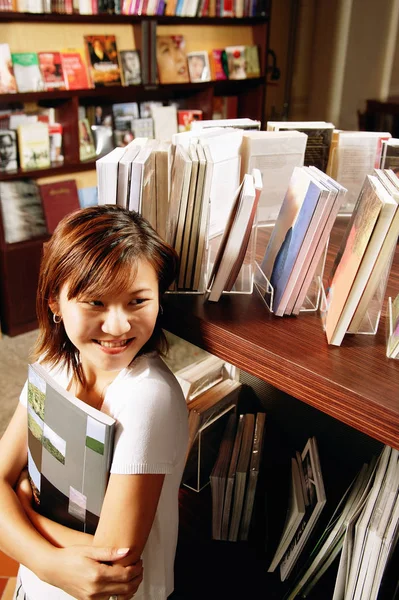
column 75, row 69
column 130, row 67
column 8, row 150
column 198, row 66
column 8, row 85
column 34, row 146
column 27, row 72
column 102, row 58
column 52, row 72
column 69, row 453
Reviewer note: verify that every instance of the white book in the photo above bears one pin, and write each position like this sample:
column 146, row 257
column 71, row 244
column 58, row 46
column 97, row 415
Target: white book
column 244, row 123
column 317, row 500
column 184, row 246
column 201, row 248
column 294, row 516
column 275, row 154
column 137, row 175
column 180, row 183
column 107, row 176
column 165, row 122
column 125, row 174
column 163, row 167
column 362, row 523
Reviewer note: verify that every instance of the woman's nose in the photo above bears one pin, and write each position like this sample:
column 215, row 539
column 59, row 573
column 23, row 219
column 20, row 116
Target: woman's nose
column 116, row 322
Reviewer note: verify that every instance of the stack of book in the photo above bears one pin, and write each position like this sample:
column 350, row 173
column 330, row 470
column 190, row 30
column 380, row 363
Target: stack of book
column 363, row 262
column 363, row 530
column 298, row 240
column 307, row 499
column 234, row 477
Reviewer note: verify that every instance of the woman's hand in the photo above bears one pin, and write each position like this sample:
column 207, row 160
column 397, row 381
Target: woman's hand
column 90, row 573
column 23, row 489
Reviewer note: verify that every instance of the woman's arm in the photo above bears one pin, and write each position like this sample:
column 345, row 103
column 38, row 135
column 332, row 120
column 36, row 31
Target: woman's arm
column 80, row 570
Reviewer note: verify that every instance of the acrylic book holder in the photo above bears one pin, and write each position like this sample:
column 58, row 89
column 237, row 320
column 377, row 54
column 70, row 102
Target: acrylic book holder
column 370, row 321
column 389, row 330
column 204, row 451
column 313, row 295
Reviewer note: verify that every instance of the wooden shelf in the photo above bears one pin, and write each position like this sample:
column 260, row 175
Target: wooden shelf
column 127, row 19
column 355, row 383
column 50, row 171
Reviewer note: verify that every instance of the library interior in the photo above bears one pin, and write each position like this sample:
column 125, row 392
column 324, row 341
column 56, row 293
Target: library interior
column 257, row 137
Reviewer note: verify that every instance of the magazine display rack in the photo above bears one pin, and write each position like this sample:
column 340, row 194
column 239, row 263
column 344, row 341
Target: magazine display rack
column 371, row 319
column 313, row 296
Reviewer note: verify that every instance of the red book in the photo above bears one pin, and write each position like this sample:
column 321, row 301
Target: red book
column 51, row 69
column 74, row 70
column 58, row 200
column 186, row 117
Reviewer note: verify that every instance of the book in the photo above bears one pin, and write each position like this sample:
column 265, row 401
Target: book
column 186, row 117
column 8, row 84
column 165, row 122
column 200, row 376
column 51, row 70
column 33, row 146
column 236, row 62
column 230, row 482
column 252, row 65
column 143, row 127
column 8, row 150
column 171, row 59
column 390, row 155
column 68, row 466
column 75, row 69
column 253, row 475
column 88, row 196
column 296, row 249
column 339, row 192
column 294, row 515
column 21, row 209
column 87, row 148
column 198, row 66
column 130, row 67
column 382, row 264
column 385, row 220
column 107, row 168
column 180, row 183
column 318, row 142
column 218, row 476
column 218, row 64
column 188, row 221
column 236, row 123
column 317, row 500
column 275, row 154
column 59, row 198
column 27, row 72
column 241, row 476
column 125, row 173
column 163, row 166
column 351, row 252
column 102, row 60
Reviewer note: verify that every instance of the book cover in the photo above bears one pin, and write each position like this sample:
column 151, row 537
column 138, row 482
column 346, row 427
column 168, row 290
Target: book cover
column 58, row 200
column 22, row 212
column 8, row 84
column 236, row 64
column 75, row 70
column 87, row 148
column 34, row 146
column 218, row 63
column 252, row 65
column 171, row 59
column 52, row 71
column 198, row 66
column 130, row 67
column 8, row 150
column 350, row 254
column 88, row 196
column 218, row 476
column 69, row 453
column 185, row 118
column 27, row 72
column 198, row 377
column 102, row 58
column 390, row 155
column 230, row 482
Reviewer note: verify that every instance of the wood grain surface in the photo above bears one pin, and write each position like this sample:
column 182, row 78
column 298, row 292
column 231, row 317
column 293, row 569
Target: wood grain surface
column 355, row 383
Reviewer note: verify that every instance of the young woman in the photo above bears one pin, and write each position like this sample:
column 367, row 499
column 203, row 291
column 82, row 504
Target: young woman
column 102, row 276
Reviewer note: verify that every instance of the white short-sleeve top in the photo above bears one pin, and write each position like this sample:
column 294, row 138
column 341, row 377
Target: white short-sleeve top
column 151, row 436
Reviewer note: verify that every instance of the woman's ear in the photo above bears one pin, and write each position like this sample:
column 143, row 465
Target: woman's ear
column 54, row 306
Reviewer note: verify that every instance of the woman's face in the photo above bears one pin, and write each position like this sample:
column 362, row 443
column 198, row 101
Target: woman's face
column 109, row 330
column 172, row 62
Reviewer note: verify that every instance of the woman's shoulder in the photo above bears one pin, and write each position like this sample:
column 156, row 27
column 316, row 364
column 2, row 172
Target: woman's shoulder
column 150, row 372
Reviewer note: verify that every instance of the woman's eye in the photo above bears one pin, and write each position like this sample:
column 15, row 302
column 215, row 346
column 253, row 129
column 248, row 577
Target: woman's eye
column 94, row 302
column 138, row 301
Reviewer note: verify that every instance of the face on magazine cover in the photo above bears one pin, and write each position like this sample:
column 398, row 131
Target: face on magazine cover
column 172, row 61
column 196, row 67
column 110, row 329
column 8, row 151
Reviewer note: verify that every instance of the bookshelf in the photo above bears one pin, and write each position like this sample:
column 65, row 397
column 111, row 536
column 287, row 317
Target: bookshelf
column 354, row 383
column 35, row 32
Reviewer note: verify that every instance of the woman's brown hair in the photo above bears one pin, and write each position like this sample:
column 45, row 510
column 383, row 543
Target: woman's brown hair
column 93, row 250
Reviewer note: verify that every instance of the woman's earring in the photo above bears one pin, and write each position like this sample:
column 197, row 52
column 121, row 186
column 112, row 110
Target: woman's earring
column 57, row 318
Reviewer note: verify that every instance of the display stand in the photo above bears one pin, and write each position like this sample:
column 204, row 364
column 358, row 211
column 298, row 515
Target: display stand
column 313, row 295
column 371, row 318
column 204, row 451
column 392, row 346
